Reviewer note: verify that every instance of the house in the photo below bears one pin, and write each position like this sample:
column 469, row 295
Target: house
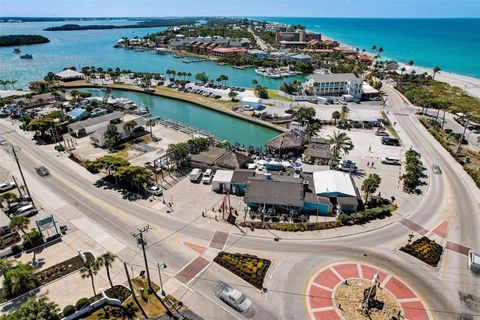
column 302, row 58
column 368, row 91
column 292, row 44
column 219, row 158
column 38, row 100
column 277, row 192
column 222, row 181
column 334, row 84
column 253, row 102
column 255, row 54
column 98, row 137
column 81, row 128
column 78, row 114
column 317, row 152
column 338, row 187
column 70, row 75
column 239, row 180
column 329, row 44
column 285, row 143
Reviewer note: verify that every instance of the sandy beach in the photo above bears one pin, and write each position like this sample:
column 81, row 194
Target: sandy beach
column 469, row 84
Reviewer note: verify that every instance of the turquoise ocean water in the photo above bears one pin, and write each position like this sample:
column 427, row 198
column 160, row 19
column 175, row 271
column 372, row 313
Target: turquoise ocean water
column 452, row 44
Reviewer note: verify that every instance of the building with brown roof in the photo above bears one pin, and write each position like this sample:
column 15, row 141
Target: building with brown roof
column 285, row 143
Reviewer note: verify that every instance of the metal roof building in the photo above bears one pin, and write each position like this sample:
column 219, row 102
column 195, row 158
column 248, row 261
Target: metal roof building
column 334, row 184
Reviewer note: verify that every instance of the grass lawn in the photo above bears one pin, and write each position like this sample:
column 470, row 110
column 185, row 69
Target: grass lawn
column 273, row 94
column 389, row 127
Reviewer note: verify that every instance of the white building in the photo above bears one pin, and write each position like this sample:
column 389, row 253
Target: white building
column 70, row 75
column 222, row 181
column 339, row 185
column 253, row 102
column 334, row 84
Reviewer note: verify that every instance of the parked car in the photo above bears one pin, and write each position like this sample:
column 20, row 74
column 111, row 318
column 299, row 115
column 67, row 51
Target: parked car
column 207, row 176
column 382, row 133
column 390, row 141
column 392, row 161
column 155, row 190
column 233, row 297
column 436, row 169
column 347, row 165
column 195, row 174
column 3, row 141
column 474, row 261
column 42, row 171
column 25, row 211
column 7, row 186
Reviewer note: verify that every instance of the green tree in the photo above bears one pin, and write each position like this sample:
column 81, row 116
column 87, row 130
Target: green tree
column 178, row 152
column 340, row 144
column 129, row 126
column 414, row 172
column 105, row 162
column 151, row 123
column 111, row 136
column 202, row 76
column 305, row 114
column 312, row 129
column 90, row 270
column 7, row 197
column 411, row 62
column 436, row 70
column 19, row 279
column 4, row 84
column 34, row 309
column 19, row 223
column 106, row 260
column 336, row 116
column 371, row 184
column 232, row 95
column 344, row 113
column 133, row 176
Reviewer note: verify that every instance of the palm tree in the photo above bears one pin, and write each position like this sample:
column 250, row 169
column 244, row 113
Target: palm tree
column 436, row 70
column 189, row 75
column 90, row 270
column 411, row 63
column 254, row 82
column 335, row 116
column 19, row 223
column 341, row 143
column 344, row 112
column 374, row 47
column 106, row 260
column 151, row 123
column 6, row 83
column 129, row 126
column 13, row 83
column 2, row 82
column 312, row 129
column 380, row 50
column 232, row 94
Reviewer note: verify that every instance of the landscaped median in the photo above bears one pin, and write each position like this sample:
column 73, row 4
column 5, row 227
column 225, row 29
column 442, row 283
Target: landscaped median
column 342, row 220
column 424, row 249
column 248, row 267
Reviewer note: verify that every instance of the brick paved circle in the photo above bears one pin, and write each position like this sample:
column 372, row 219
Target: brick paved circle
column 320, row 290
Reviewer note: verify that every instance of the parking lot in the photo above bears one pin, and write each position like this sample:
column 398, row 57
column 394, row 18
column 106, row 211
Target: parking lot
column 369, row 150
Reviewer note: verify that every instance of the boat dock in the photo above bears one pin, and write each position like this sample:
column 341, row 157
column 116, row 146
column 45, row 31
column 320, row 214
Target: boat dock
column 194, row 132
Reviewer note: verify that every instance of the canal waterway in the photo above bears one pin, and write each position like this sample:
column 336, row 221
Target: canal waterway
column 219, row 124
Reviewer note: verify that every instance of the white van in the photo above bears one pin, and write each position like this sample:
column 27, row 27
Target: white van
column 25, row 211
column 207, row 176
column 195, row 174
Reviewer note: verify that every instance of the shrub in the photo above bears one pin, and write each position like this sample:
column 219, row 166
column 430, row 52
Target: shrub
column 82, row 302
column 32, row 239
column 15, row 249
column 68, row 310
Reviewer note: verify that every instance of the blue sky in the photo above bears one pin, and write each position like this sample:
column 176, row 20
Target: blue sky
column 299, row 8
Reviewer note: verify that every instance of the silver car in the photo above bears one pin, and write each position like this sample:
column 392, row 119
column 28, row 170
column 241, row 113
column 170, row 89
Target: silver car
column 233, row 297
column 436, row 169
column 474, row 261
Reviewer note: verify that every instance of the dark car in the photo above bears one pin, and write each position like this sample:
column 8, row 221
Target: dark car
column 42, row 171
column 390, row 141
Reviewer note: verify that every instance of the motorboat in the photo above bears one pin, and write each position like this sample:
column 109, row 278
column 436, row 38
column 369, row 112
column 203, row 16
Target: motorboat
column 26, row 56
column 16, row 50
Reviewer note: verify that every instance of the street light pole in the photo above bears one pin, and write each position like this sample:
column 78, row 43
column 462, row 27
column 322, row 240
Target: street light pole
column 161, row 266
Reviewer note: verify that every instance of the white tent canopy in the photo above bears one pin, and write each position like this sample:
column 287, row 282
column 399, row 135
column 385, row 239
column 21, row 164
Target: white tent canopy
column 69, row 74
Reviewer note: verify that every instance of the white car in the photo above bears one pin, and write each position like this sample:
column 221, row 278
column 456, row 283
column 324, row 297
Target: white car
column 155, row 190
column 233, row 297
column 207, row 176
column 474, row 261
column 7, row 186
column 392, row 161
column 25, row 211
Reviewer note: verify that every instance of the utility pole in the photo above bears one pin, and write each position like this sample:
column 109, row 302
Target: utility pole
column 132, row 291
column 139, row 237
column 16, row 184
column 21, row 172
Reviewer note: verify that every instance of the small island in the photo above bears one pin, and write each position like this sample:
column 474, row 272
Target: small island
column 21, row 39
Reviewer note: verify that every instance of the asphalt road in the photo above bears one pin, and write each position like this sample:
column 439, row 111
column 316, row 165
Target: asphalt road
column 450, row 195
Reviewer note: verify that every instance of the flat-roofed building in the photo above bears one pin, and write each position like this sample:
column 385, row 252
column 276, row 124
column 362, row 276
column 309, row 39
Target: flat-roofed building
column 228, row 52
column 334, row 84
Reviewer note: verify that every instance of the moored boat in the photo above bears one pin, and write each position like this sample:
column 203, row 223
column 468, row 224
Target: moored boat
column 26, row 56
column 16, row 50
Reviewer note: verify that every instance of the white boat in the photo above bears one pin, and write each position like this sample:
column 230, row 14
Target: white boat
column 26, row 56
